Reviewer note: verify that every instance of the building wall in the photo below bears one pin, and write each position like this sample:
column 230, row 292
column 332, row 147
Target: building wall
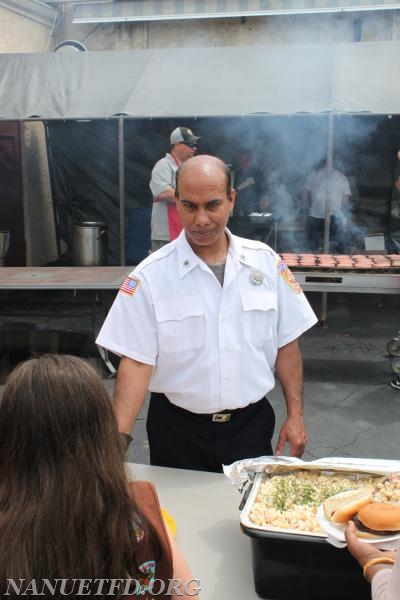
column 20, row 34
column 346, row 27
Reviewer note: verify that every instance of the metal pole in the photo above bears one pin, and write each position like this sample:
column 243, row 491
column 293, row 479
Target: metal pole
column 329, row 166
column 121, row 184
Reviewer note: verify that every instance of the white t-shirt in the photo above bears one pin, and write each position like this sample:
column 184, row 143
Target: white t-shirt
column 325, row 186
column 213, row 348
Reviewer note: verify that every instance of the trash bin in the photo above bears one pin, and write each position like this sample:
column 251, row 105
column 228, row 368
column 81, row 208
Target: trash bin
column 89, row 244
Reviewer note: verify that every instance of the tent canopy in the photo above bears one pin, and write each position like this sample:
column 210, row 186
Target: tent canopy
column 222, row 81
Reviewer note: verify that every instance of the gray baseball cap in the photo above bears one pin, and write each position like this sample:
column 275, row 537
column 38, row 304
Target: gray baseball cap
column 183, row 135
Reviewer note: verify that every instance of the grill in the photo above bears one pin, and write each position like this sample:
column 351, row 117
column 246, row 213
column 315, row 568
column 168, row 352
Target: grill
column 371, row 273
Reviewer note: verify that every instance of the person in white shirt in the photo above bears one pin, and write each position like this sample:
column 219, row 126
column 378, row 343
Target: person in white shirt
column 327, row 190
column 204, row 323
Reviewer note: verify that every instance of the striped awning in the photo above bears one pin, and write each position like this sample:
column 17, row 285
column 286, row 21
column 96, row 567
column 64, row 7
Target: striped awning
column 158, row 10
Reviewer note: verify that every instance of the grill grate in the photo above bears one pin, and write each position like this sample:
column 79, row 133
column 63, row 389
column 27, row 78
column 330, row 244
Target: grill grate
column 343, row 262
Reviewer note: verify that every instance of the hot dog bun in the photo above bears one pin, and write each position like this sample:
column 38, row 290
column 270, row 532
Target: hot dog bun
column 340, row 508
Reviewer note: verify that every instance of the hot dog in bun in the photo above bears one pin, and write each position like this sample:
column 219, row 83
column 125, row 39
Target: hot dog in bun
column 340, row 508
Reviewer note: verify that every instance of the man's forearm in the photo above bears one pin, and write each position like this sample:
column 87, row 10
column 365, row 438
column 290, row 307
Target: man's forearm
column 289, row 369
column 167, row 195
column 131, row 386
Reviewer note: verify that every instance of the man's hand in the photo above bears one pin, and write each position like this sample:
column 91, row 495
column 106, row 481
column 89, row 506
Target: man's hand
column 294, row 433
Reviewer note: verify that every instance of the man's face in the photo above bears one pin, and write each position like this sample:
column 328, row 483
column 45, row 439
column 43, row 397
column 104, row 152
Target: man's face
column 184, row 151
column 203, row 204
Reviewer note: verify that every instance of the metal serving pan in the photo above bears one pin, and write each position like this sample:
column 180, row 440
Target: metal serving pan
column 289, row 565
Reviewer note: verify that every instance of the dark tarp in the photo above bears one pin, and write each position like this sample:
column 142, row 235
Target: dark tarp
column 84, row 175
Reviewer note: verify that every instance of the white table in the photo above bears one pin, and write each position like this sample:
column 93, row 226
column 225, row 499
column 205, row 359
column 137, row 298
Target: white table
column 205, row 508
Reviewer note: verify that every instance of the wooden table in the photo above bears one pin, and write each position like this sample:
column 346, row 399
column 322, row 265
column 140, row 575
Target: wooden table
column 94, row 279
column 62, row 278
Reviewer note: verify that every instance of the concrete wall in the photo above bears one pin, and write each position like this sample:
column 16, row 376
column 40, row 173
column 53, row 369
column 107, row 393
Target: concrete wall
column 346, row 27
column 20, row 34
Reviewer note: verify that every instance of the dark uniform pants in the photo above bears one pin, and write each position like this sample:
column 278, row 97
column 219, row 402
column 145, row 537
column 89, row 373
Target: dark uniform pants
column 182, row 439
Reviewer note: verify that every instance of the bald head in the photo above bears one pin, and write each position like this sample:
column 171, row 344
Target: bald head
column 203, row 167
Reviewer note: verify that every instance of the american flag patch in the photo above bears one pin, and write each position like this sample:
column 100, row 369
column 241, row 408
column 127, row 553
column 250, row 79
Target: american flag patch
column 288, row 276
column 130, row 285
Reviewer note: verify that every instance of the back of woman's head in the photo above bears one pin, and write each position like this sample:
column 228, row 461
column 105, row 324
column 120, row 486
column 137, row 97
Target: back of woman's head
column 65, row 509
column 55, row 410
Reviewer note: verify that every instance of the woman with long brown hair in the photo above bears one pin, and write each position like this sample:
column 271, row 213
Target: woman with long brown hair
column 67, row 511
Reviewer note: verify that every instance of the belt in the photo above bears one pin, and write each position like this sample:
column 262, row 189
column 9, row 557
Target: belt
column 224, row 416
column 220, row 417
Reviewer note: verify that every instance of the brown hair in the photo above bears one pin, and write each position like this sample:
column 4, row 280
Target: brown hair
column 65, row 509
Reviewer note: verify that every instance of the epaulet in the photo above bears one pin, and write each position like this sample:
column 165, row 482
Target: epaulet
column 256, row 245
column 159, row 255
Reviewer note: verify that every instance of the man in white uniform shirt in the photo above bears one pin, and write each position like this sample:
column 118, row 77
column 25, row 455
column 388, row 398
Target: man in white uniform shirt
column 327, row 189
column 204, row 323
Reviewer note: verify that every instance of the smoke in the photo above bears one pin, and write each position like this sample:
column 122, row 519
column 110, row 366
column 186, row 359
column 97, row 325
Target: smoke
column 286, row 149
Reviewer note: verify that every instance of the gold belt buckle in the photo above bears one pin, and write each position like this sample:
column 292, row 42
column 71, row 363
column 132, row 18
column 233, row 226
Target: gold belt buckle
column 221, row 418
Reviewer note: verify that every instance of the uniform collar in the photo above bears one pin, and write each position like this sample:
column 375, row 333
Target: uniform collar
column 240, row 253
column 188, row 260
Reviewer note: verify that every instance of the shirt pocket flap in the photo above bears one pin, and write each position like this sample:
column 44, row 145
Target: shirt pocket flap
column 178, row 309
column 258, row 300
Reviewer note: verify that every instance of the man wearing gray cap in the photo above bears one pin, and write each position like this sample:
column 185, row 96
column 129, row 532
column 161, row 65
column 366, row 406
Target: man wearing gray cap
column 165, row 222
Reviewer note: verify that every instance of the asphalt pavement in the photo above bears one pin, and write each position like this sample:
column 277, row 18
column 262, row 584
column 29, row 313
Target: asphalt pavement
column 350, row 408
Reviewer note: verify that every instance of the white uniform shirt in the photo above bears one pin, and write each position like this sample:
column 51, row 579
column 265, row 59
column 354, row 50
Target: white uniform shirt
column 325, row 187
column 212, row 347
